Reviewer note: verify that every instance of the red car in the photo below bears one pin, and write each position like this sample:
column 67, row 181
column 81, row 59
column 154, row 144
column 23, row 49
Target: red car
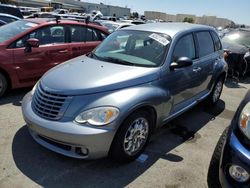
column 28, row 48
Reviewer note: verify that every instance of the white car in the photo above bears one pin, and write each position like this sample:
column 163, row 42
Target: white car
column 113, row 26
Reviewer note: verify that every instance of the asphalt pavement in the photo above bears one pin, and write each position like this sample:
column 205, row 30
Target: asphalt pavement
column 178, row 154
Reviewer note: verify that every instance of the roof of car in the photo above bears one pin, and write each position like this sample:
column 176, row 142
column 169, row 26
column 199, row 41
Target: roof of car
column 9, row 15
column 65, row 21
column 170, row 29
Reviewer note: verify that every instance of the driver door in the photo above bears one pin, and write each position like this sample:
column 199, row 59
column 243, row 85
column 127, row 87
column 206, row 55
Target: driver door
column 183, row 82
column 53, row 49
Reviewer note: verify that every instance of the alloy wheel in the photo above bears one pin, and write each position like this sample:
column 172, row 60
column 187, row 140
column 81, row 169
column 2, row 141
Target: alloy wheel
column 136, row 136
column 217, row 91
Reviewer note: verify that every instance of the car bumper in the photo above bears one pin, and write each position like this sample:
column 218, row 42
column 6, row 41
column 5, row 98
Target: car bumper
column 67, row 138
column 234, row 153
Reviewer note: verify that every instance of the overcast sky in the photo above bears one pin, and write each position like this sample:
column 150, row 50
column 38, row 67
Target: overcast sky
column 235, row 10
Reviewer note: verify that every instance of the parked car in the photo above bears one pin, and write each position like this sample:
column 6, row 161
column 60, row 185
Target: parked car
column 237, row 44
column 12, row 10
column 7, row 18
column 230, row 163
column 110, row 101
column 28, row 48
column 113, row 26
column 61, row 11
column 135, row 22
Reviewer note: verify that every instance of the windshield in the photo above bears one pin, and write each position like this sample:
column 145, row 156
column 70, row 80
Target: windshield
column 12, row 29
column 137, row 48
column 238, row 37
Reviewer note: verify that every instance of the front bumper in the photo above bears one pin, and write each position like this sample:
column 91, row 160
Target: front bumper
column 67, row 138
column 234, row 153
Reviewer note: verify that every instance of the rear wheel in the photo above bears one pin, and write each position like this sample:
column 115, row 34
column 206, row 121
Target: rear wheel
column 216, row 92
column 132, row 137
column 3, row 84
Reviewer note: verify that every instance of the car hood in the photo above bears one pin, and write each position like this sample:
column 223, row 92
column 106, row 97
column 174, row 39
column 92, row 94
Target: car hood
column 84, row 75
column 235, row 48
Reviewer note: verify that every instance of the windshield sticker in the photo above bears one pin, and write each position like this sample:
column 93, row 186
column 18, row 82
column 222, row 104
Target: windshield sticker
column 31, row 24
column 159, row 39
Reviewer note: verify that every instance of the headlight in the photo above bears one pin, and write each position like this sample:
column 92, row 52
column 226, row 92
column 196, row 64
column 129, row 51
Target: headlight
column 244, row 120
column 98, row 116
column 34, row 88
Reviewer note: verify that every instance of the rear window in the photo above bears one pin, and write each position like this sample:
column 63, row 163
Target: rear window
column 205, row 42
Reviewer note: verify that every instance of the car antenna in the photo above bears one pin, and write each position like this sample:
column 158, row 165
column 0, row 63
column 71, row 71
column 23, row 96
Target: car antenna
column 87, row 19
column 57, row 19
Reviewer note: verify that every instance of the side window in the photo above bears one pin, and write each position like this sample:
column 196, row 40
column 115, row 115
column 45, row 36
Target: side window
column 94, row 35
column 45, row 35
column 217, row 43
column 78, row 33
column 206, row 45
column 184, row 48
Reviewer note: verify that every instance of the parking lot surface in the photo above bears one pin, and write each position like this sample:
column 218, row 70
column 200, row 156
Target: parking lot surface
column 178, row 154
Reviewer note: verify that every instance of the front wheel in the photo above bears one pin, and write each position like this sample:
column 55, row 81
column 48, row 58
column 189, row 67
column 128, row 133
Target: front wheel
column 3, row 85
column 213, row 170
column 132, row 137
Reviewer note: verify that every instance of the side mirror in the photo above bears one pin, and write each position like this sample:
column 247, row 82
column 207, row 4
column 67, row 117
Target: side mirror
column 31, row 43
column 180, row 63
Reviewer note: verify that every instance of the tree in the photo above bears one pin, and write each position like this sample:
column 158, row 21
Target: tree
column 188, row 19
column 5, row 1
column 135, row 15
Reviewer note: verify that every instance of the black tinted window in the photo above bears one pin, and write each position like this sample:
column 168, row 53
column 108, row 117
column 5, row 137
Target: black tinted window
column 217, row 43
column 93, row 35
column 206, row 45
column 184, row 48
column 78, row 33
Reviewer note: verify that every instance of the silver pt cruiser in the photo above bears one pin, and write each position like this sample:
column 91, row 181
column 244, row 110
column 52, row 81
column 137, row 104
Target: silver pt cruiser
column 109, row 101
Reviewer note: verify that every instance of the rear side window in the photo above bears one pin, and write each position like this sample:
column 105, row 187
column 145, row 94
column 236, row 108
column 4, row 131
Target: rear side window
column 95, row 35
column 78, row 33
column 82, row 34
column 205, row 42
column 217, row 43
column 184, row 48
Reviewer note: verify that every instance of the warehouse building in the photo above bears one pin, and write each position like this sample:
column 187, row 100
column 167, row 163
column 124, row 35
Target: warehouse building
column 205, row 20
column 107, row 10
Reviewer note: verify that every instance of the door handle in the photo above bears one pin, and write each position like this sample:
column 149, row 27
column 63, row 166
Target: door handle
column 197, row 69
column 63, row 51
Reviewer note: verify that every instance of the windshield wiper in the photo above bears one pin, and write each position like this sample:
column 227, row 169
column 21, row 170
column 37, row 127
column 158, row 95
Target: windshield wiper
column 92, row 54
column 118, row 61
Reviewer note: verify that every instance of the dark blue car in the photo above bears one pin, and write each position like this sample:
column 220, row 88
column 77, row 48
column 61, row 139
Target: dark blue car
column 230, row 163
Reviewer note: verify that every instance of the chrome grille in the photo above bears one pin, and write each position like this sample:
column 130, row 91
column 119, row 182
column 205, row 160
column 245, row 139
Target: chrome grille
column 49, row 105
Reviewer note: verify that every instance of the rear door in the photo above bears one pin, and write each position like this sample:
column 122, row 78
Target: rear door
column 183, row 82
column 53, row 50
column 84, row 39
column 93, row 38
column 207, row 58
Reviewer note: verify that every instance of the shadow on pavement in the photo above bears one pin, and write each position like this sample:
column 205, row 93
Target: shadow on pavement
column 232, row 83
column 14, row 96
column 49, row 169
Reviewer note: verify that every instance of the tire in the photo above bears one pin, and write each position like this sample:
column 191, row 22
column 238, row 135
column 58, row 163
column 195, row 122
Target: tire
column 214, row 96
column 213, row 171
column 3, row 84
column 133, row 129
